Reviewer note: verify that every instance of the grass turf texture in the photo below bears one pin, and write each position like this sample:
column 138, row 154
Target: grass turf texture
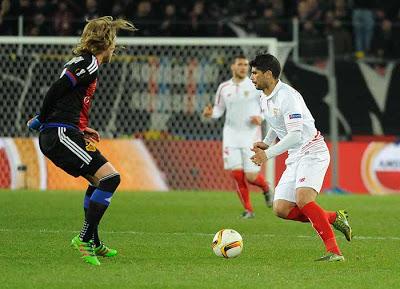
column 164, row 241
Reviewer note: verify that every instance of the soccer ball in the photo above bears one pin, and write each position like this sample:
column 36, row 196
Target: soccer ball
column 227, row 243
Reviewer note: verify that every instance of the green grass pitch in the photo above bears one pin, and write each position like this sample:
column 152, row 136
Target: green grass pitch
column 164, row 242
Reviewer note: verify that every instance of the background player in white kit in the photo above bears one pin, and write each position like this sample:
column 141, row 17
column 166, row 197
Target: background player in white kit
column 290, row 120
column 240, row 99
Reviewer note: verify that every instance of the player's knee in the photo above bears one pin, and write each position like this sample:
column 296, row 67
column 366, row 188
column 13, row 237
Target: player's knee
column 110, row 183
column 305, row 196
column 251, row 177
column 279, row 210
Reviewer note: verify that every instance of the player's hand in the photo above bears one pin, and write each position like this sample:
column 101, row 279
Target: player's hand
column 208, row 111
column 259, row 157
column 91, row 135
column 34, row 123
column 256, row 120
column 259, row 145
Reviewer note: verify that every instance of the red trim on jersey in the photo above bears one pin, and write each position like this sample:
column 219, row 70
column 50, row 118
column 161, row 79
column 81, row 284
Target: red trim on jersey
column 317, row 140
column 86, row 102
column 222, row 86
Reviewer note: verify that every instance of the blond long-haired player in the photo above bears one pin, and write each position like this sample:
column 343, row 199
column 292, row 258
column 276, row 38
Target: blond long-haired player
column 65, row 137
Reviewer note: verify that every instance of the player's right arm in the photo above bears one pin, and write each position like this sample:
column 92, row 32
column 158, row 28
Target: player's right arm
column 267, row 142
column 219, row 106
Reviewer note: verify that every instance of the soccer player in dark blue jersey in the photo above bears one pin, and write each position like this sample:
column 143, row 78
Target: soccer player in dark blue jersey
column 65, row 137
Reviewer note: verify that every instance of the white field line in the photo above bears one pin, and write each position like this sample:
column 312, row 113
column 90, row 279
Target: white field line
column 44, row 231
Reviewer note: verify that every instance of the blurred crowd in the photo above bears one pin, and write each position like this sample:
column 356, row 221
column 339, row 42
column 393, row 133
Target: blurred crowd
column 359, row 27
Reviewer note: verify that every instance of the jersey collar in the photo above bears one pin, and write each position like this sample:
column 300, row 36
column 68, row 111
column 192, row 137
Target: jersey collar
column 274, row 91
column 239, row 83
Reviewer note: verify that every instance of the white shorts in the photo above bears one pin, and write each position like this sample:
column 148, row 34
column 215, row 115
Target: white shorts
column 235, row 158
column 309, row 171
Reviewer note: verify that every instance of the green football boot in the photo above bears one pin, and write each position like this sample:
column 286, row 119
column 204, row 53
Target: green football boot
column 331, row 257
column 342, row 224
column 86, row 250
column 104, row 251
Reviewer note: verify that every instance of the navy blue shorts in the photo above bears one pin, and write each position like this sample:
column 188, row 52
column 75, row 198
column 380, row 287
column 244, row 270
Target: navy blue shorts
column 68, row 150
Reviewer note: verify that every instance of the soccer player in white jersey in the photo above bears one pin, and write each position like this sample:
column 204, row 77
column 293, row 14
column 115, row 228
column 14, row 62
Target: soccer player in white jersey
column 292, row 123
column 240, row 100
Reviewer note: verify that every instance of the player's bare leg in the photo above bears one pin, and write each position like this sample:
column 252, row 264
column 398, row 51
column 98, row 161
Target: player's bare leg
column 257, row 179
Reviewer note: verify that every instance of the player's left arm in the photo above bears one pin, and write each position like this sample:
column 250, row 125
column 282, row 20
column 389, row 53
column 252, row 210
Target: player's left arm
column 57, row 89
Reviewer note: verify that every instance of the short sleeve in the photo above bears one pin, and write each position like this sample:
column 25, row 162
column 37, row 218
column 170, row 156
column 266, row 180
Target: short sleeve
column 292, row 112
column 81, row 70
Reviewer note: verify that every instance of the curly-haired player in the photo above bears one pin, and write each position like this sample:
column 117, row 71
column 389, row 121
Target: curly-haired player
column 65, row 137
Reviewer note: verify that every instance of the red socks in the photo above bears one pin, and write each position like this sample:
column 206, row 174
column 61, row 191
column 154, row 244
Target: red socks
column 260, row 182
column 296, row 215
column 320, row 222
column 242, row 189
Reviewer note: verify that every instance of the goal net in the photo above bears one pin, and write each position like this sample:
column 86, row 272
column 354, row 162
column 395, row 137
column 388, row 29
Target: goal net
column 154, row 91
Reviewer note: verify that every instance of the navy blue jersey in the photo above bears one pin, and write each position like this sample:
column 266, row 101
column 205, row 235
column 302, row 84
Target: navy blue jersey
column 72, row 104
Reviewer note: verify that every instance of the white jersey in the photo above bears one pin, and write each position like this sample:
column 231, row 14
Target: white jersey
column 241, row 101
column 285, row 110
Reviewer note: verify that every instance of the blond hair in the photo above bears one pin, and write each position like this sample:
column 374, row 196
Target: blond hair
column 99, row 34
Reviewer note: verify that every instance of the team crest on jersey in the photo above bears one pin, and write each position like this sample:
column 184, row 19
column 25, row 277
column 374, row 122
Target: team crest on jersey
column 246, row 93
column 275, row 111
column 79, row 71
column 90, row 147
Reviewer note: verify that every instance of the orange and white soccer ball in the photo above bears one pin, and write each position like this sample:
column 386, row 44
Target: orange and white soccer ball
column 227, row 243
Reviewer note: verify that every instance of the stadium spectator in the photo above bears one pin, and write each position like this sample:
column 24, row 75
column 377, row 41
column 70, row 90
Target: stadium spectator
column 41, row 7
column 363, row 25
column 268, row 25
column 308, row 10
column 144, row 19
column 342, row 38
column 198, row 21
column 169, row 25
column 91, row 11
column 4, row 9
column 310, row 41
column 63, row 20
column 386, row 43
column 341, row 10
column 122, row 8
column 39, row 25
column 266, row 18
